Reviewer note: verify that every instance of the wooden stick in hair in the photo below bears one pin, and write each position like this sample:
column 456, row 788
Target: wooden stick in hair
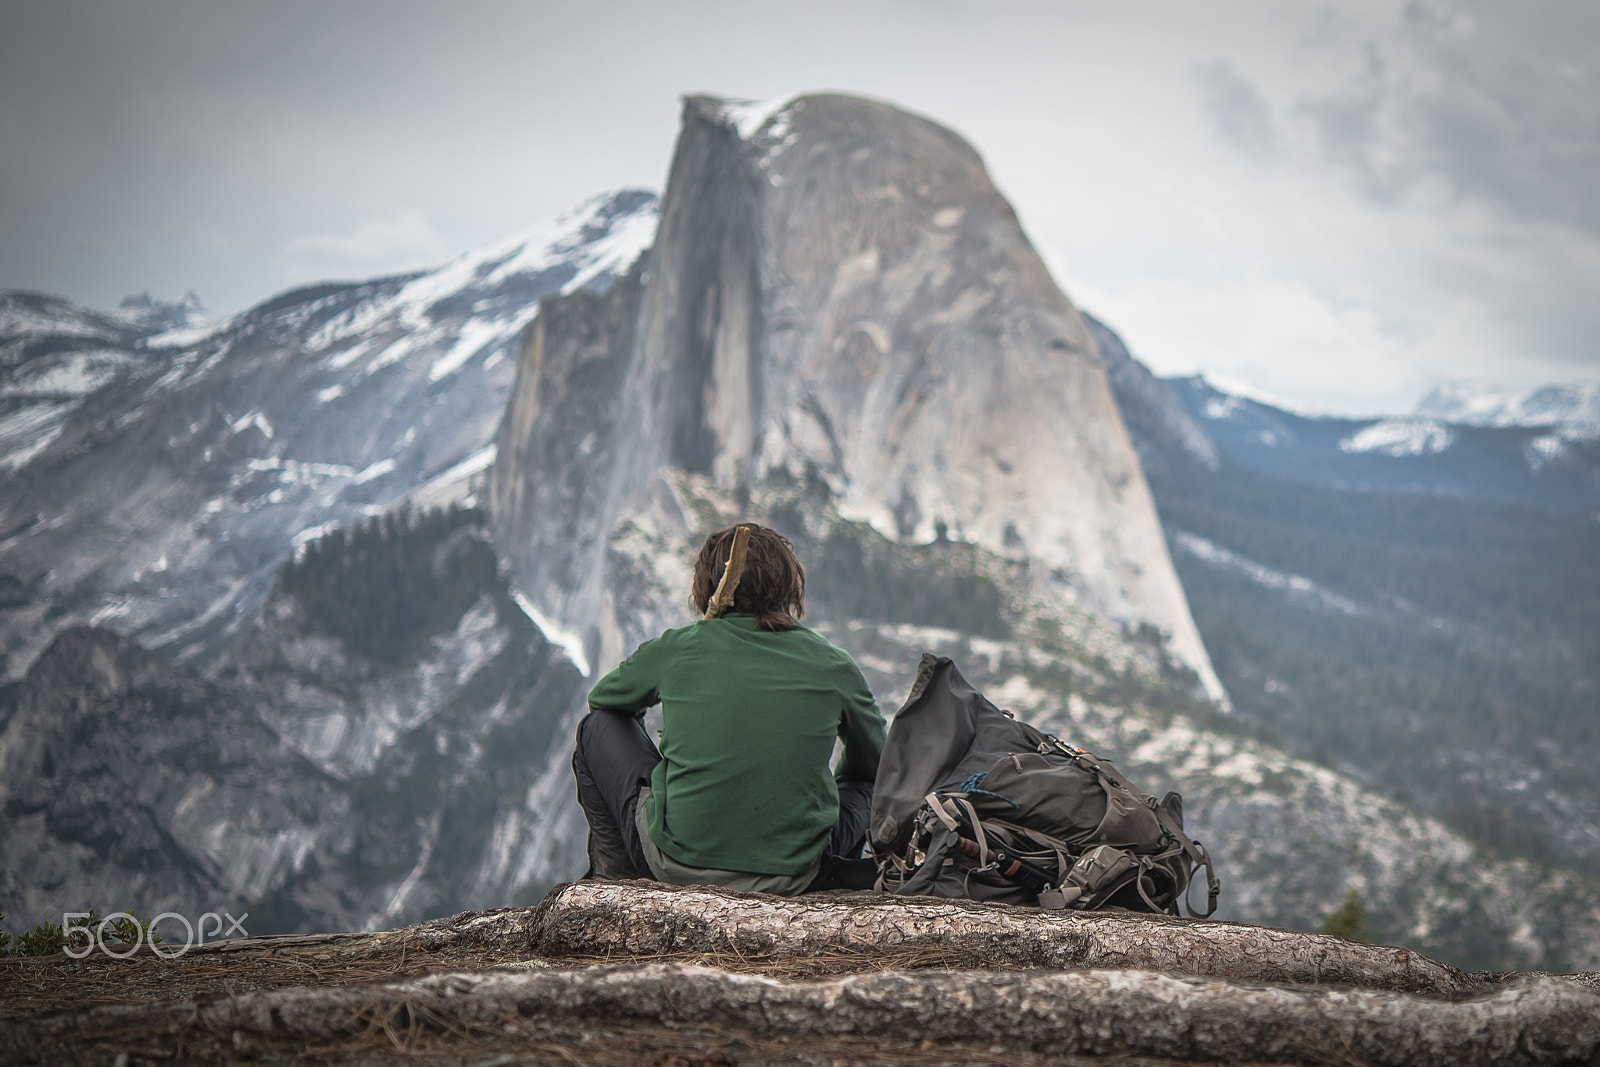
column 722, row 599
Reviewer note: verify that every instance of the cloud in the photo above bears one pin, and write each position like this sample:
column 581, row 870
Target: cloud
column 373, row 246
column 1499, row 103
column 1516, row 117
column 1427, row 164
column 1238, row 111
column 1290, row 340
column 210, row 237
column 1359, row 131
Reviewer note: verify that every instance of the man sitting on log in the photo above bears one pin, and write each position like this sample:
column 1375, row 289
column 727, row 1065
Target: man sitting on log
column 740, row 793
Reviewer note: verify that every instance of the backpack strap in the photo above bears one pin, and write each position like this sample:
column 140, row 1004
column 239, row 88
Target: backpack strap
column 890, row 867
column 1041, row 842
column 936, row 805
column 1192, row 850
column 977, row 831
column 1198, row 857
column 1001, row 857
column 923, row 877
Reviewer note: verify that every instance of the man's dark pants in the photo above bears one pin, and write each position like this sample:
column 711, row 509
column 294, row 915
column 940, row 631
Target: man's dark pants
column 614, row 757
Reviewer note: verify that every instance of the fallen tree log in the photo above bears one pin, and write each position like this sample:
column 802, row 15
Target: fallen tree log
column 644, row 919
column 1094, row 1013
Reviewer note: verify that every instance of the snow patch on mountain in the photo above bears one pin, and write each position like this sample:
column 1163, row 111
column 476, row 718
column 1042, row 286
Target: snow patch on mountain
column 26, row 433
column 1293, row 584
column 1222, row 407
column 1541, row 451
column 473, row 339
column 1401, row 438
column 1250, row 412
column 1549, row 448
column 566, row 640
column 456, row 485
column 53, row 356
column 766, row 126
column 378, row 469
column 749, row 116
column 70, row 374
column 182, row 336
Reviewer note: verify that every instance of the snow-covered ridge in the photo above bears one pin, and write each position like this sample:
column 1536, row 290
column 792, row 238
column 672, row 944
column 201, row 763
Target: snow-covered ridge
column 25, row 315
column 597, row 240
column 1574, row 405
column 1554, row 432
column 167, row 325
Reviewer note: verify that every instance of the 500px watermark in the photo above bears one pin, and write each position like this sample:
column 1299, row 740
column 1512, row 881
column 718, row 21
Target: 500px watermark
column 83, row 935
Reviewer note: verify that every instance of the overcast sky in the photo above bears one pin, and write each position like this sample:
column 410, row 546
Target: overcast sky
column 1339, row 204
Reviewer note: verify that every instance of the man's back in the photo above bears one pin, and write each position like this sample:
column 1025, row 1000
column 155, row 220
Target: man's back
column 749, row 721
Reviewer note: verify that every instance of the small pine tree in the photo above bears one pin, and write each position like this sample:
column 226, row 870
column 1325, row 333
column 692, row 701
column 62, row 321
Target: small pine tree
column 42, row 940
column 1349, row 919
column 47, row 938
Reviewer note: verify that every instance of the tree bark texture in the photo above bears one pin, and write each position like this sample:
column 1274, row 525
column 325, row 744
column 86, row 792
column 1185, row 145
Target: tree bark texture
column 1097, row 1013
column 634, row 919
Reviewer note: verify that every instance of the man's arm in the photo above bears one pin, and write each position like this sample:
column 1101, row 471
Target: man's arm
column 861, row 727
column 631, row 686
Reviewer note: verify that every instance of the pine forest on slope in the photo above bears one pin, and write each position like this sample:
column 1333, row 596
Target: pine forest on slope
column 1428, row 623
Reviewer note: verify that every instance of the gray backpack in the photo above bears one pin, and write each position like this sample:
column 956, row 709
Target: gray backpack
column 970, row 802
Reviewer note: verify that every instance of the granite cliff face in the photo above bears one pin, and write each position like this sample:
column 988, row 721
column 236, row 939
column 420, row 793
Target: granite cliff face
column 837, row 291
column 322, row 779
column 124, row 779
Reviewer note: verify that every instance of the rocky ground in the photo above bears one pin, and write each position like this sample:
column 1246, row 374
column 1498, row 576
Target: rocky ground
column 625, row 973
column 639, row 973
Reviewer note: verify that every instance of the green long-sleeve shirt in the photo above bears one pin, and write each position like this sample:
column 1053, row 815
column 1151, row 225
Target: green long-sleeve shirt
column 749, row 721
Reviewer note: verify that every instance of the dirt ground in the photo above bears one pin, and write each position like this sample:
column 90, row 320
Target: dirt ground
column 34, row 988
column 150, row 1010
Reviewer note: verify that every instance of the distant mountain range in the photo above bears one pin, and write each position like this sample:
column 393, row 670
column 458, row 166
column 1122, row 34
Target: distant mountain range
column 1574, row 406
column 1515, row 453
column 161, row 468
column 299, row 607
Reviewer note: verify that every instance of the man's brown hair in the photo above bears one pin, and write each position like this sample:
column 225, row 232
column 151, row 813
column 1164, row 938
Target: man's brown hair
column 772, row 587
